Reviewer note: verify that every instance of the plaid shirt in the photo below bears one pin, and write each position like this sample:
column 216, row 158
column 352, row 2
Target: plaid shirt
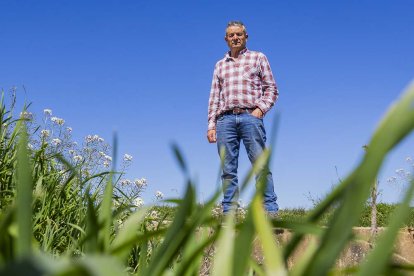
column 246, row 82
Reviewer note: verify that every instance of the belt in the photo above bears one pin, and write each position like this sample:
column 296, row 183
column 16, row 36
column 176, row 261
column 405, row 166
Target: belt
column 238, row 110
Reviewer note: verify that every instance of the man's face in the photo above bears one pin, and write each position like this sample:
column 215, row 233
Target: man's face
column 236, row 38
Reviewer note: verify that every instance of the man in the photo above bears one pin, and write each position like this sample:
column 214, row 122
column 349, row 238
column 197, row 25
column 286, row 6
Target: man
column 242, row 92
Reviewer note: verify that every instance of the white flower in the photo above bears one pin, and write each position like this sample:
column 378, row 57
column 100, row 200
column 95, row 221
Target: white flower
column 58, row 121
column 159, row 195
column 69, row 129
column 399, row 171
column 139, row 202
column 106, row 164
column 45, row 133
column 47, row 112
column 89, row 138
column 101, row 140
column 78, row 158
column 56, row 142
column 391, row 179
column 108, row 158
column 141, row 183
column 30, row 146
column 125, row 182
column 127, row 157
column 153, row 214
column 26, row 115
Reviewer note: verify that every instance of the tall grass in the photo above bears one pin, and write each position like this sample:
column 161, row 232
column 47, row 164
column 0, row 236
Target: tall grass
column 50, row 227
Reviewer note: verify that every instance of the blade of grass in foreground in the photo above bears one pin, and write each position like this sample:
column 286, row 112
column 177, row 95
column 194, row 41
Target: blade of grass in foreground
column 274, row 264
column 224, row 252
column 175, row 237
column 127, row 233
column 378, row 259
column 396, row 125
column 243, row 246
column 24, row 199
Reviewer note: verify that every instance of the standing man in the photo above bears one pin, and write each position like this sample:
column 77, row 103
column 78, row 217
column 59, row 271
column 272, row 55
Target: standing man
column 242, row 92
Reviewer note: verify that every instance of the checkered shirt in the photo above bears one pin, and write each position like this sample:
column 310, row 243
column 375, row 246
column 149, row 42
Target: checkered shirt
column 246, row 82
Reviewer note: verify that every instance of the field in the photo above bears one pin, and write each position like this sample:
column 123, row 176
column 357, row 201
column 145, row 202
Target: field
column 66, row 209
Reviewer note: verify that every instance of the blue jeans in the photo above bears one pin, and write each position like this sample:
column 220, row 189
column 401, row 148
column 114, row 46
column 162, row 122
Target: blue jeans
column 231, row 129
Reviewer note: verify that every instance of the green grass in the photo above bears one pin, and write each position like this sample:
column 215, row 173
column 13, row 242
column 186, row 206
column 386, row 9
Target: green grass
column 57, row 220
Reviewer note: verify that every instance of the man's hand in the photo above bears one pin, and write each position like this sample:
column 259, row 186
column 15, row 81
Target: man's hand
column 257, row 113
column 211, row 136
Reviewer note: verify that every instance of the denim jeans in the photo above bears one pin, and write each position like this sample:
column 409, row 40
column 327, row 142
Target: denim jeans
column 231, row 129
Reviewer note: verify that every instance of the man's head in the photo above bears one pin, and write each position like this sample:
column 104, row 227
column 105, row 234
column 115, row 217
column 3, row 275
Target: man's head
column 236, row 35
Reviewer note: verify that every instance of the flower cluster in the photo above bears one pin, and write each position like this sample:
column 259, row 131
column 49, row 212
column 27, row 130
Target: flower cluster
column 58, row 121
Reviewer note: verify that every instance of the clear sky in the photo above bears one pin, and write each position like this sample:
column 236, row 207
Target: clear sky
column 143, row 69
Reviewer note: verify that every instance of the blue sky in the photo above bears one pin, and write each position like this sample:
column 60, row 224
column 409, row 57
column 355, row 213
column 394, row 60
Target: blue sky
column 143, row 69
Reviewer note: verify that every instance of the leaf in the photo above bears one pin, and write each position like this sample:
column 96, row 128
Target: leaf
column 378, row 259
column 397, row 124
column 273, row 260
column 225, row 248
column 127, row 233
column 24, row 199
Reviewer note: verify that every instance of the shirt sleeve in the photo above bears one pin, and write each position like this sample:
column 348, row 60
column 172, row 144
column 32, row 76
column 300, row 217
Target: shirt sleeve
column 213, row 104
column 270, row 92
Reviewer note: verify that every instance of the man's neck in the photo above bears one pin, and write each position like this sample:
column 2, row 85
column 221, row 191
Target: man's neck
column 235, row 52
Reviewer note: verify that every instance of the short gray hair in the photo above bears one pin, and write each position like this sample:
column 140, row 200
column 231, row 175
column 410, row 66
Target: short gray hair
column 236, row 23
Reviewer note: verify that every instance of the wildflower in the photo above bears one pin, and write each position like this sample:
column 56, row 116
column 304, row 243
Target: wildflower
column 101, row 140
column 58, row 121
column 127, row 157
column 45, row 133
column 125, row 182
column 89, row 139
column 30, row 146
column 117, row 203
column 78, row 158
column 159, row 195
column 69, row 129
column 241, row 212
column 153, row 214
column 95, row 137
column 108, row 158
column 47, row 112
column 71, row 152
column 139, row 202
column 141, row 183
column 391, row 179
column 56, row 142
column 106, row 164
column 399, row 171
column 26, row 115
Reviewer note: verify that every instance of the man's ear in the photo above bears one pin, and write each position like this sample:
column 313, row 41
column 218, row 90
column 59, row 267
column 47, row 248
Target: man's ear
column 247, row 36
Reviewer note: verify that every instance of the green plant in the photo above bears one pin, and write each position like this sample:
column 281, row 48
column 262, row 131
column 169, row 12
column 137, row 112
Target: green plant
column 194, row 240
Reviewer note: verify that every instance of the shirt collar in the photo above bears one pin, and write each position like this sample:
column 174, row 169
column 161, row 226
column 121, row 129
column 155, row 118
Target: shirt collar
column 242, row 52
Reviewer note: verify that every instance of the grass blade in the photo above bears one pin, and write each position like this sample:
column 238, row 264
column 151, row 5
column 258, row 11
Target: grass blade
column 396, row 125
column 225, row 246
column 24, row 199
column 274, row 264
column 378, row 259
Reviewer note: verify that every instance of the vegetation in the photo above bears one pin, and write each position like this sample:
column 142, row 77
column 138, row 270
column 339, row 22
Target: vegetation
column 60, row 217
